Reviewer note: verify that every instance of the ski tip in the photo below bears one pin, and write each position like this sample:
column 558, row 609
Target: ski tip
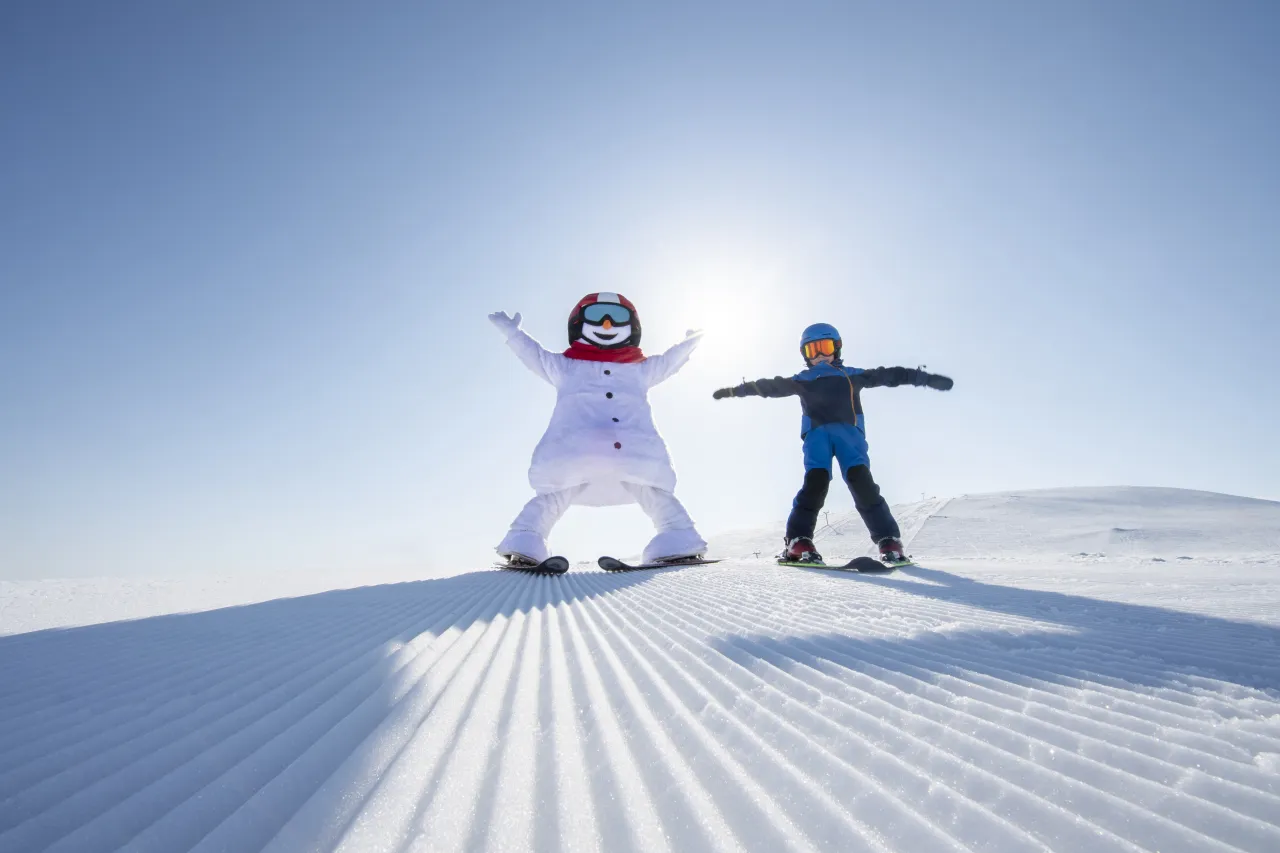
column 549, row 566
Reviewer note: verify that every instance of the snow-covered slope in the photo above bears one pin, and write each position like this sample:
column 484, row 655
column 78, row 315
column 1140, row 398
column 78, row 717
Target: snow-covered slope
column 1116, row 522
column 33, row 605
column 1033, row 702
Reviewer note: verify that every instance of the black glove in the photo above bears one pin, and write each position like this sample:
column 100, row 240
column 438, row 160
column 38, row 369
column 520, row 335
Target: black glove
column 721, row 393
column 940, row 383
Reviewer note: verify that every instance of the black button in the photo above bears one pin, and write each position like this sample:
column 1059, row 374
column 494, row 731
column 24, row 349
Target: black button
column 606, row 373
column 609, row 394
column 617, row 445
column 615, row 420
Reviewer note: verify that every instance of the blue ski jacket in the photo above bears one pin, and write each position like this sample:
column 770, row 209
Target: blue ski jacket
column 830, row 393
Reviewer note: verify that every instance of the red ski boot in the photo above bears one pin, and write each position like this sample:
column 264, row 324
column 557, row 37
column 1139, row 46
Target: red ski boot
column 801, row 550
column 892, row 553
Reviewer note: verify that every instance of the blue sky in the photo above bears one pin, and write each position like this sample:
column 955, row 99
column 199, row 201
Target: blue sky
column 246, row 256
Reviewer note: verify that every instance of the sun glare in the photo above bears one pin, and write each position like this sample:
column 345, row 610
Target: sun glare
column 724, row 304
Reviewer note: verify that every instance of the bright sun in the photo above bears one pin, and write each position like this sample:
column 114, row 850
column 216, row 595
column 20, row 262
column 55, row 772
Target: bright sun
column 726, row 311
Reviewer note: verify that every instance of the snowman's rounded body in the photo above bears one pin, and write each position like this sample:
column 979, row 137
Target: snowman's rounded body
column 601, row 432
column 601, row 447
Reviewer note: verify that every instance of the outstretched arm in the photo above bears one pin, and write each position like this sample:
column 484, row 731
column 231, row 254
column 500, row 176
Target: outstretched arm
column 540, row 361
column 658, row 368
column 892, row 377
column 778, row 386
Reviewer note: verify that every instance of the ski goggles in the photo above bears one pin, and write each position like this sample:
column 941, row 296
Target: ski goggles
column 596, row 312
column 826, row 346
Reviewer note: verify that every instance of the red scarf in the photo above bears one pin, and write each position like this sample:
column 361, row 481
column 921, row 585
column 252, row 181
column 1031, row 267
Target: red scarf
column 586, row 352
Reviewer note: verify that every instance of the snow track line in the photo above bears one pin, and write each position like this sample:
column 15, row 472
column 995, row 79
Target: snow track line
column 179, row 681
column 1245, row 774
column 908, row 781
column 182, row 708
column 333, row 809
column 1268, row 835
column 708, row 787
column 664, row 643
column 1029, row 698
column 1073, row 733
column 445, row 811
column 290, row 757
column 152, row 766
column 211, row 713
column 637, row 825
column 577, row 817
column 718, row 708
column 1114, row 697
column 942, row 610
column 1224, row 657
column 508, row 803
column 145, row 660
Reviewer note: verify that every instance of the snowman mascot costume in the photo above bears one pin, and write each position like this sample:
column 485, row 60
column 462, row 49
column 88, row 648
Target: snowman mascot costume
column 601, row 447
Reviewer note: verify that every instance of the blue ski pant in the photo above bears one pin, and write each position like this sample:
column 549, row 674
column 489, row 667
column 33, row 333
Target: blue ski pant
column 846, row 443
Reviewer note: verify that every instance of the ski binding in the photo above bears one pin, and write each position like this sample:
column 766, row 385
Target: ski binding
column 549, row 566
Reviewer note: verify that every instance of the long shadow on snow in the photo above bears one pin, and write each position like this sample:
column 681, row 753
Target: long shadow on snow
column 207, row 634
column 1105, row 641
column 244, row 690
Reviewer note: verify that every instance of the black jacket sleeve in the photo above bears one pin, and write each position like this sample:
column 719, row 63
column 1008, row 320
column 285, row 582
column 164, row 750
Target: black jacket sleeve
column 892, row 377
column 778, row 386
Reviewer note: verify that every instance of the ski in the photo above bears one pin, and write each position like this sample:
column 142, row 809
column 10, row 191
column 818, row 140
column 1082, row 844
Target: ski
column 612, row 564
column 867, row 565
column 549, row 566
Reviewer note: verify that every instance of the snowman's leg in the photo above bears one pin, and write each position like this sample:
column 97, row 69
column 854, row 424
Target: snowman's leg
column 528, row 534
column 676, row 535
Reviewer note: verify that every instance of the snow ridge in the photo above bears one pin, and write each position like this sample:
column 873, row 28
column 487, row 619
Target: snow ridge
column 739, row 706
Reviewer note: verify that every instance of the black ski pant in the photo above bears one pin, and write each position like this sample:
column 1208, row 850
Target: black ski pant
column 873, row 508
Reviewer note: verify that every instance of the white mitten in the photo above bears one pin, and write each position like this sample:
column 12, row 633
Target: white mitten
column 506, row 324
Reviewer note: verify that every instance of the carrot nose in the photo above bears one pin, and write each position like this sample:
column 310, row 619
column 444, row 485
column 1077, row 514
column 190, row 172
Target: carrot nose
column 608, row 324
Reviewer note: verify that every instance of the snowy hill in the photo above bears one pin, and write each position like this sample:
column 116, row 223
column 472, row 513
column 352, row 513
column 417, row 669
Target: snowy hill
column 1040, row 682
column 1116, row 522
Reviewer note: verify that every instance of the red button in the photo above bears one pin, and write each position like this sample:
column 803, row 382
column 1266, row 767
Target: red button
column 617, row 445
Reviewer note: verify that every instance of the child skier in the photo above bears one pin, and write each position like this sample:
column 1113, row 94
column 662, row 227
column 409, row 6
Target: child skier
column 601, row 447
column 833, row 425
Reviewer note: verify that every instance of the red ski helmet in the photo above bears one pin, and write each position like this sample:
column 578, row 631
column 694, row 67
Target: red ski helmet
column 578, row 316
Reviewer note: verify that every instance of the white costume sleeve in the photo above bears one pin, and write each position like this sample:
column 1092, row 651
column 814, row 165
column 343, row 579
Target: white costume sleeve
column 658, row 368
column 540, row 361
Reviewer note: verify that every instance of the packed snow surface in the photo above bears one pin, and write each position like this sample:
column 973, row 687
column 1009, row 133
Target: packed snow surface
column 1071, row 670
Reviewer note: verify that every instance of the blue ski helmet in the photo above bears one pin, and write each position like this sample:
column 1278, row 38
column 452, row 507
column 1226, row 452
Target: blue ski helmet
column 820, row 332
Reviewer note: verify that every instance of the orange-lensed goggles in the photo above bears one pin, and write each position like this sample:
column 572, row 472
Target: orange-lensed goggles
column 826, row 346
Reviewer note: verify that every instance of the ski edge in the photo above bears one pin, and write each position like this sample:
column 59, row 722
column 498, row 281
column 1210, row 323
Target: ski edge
column 871, row 564
column 613, row 564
